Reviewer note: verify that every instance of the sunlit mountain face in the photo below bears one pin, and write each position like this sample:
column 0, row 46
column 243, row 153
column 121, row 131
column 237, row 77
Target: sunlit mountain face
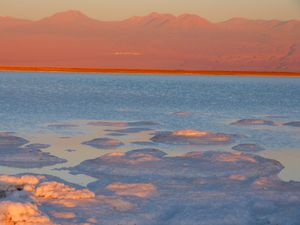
column 154, row 41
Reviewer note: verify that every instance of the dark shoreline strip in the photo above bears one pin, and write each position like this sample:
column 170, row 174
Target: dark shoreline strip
column 145, row 71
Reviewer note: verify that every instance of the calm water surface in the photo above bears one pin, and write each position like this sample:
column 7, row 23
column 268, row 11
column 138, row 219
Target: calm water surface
column 28, row 101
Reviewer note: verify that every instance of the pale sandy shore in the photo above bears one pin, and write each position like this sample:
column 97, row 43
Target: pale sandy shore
column 146, row 71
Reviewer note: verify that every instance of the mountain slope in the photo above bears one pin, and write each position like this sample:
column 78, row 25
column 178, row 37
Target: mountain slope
column 154, row 41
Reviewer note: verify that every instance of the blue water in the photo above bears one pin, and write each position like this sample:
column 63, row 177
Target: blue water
column 28, row 101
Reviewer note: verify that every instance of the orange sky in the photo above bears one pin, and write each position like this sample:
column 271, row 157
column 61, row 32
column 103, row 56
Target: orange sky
column 214, row 10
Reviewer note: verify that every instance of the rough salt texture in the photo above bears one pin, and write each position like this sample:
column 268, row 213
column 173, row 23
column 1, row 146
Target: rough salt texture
column 196, row 164
column 197, row 188
column 18, row 213
column 13, row 154
column 55, row 190
column 253, row 122
column 21, row 180
column 139, row 190
column 104, row 143
column 146, row 187
column 192, row 137
column 31, row 198
column 248, row 148
column 293, row 124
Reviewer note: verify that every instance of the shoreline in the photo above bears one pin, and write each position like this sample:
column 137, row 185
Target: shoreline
column 148, row 71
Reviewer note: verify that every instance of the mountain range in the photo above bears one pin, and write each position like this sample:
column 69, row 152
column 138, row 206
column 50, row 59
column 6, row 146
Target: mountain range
column 154, row 41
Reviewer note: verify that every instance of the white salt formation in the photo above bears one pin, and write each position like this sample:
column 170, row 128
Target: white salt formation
column 24, row 195
column 196, row 188
column 55, row 190
column 192, row 137
column 17, row 213
column 139, row 190
column 145, row 187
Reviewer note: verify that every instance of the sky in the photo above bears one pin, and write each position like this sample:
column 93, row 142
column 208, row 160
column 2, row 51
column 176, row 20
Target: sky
column 214, row 10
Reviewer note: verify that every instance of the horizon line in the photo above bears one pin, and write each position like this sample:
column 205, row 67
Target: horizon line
column 148, row 71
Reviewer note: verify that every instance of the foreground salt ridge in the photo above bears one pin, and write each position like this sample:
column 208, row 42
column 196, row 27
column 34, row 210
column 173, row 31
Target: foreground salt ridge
column 17, row 213
column 26, row 199
column 24, row 195
column 145, row 186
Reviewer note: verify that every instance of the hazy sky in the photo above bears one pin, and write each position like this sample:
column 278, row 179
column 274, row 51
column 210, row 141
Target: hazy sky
column 214, row 10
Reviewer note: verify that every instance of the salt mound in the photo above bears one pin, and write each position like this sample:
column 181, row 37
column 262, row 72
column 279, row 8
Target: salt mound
column 192, row 137
column 27, row 179
column 134, row 157
column 17, row 213
column 235, row 157
column 55, row 190
column 139, row 190
column 191, row 133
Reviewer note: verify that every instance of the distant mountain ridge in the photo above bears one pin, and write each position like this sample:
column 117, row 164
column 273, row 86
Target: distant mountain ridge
column 154, row 41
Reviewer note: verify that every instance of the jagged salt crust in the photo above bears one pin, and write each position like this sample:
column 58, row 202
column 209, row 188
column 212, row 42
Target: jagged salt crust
column 145, row 186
